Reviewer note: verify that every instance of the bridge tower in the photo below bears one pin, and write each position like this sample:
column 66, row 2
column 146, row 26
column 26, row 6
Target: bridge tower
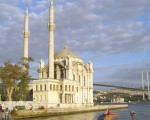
column 147, row 82
column 148, row 86
column 143, row 86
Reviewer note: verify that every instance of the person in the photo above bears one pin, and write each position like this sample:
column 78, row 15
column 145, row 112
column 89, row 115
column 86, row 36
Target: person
column 6, row 114
column 0, row 108
column 3, row 115
column 3, row 107
column 31, row 108
column 108, row 112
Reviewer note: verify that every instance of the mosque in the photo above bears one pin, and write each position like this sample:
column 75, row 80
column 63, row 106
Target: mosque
column 66, row 81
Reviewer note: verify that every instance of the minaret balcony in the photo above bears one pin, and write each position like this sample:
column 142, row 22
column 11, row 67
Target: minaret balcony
column 51, row 26
column 26, row 34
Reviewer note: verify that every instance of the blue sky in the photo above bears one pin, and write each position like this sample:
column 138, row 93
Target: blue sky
column 113, row 34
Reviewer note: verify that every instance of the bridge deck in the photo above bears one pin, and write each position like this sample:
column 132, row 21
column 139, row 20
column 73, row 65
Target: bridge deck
column 117, row 86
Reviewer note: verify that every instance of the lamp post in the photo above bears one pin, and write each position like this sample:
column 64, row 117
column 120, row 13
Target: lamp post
column 0, row 98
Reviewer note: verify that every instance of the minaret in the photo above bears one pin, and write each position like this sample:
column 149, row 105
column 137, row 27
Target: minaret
column 26, row 34
column 51, row 27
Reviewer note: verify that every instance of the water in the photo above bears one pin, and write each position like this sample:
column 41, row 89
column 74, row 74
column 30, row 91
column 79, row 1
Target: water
column 142, row 111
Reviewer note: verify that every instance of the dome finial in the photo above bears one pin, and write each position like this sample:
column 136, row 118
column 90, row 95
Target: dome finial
column 65, row 47
column 26, row 10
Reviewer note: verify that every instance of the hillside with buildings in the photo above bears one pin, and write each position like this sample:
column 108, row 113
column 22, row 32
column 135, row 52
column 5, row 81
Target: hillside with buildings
column 117, row 95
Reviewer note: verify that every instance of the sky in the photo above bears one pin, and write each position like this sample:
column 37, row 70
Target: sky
column 113, row 34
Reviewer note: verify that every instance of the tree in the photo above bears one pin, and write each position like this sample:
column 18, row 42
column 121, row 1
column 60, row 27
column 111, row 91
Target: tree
column 15, row 76
column 22, row 87
column 9, row 74
column 24, row 78
column 3, row 96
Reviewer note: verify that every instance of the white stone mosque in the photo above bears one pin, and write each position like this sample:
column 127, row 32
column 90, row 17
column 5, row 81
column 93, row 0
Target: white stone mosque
column 65, row 81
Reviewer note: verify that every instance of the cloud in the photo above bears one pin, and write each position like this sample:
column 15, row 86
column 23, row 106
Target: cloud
column 11, row 2
column 11, row 18
column 109, row 67
column 101, row 27
column 27, row 3
column 139, row 23
column 123, row 74
column 40, row 5
column 121, row 10
column 93, row 28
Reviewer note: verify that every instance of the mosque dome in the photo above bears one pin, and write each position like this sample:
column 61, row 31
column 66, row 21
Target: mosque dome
column 65, row 53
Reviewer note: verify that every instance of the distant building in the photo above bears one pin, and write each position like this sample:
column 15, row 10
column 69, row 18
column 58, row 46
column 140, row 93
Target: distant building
column 118, row 100
column 66, row 81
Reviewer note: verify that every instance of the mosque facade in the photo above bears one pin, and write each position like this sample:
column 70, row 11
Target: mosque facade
column 66, row 80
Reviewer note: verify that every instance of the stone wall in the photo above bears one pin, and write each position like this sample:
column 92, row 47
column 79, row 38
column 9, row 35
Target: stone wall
column 11, row 104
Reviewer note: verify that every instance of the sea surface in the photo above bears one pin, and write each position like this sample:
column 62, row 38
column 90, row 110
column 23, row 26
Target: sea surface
column 142, row 111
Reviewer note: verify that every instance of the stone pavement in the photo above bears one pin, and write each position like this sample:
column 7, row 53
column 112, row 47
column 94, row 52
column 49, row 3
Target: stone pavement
column 9, row 116
column 0, row 115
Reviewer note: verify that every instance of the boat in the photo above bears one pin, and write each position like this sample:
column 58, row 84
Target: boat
column 108, row 115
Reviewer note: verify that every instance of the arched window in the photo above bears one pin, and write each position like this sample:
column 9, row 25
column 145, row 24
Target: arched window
column 74, row 78
column 79, row 78
column 50, row 86
column 84, row 81
column 65, row 87
column 36, row 87
column 77, row 89
column 47, row 74
column 40, row 87
column 60, row 87
column 57, row 87
column 55, row 75
column 73, row 88
column 53, row 87
column 45, row 87
column 69, row 88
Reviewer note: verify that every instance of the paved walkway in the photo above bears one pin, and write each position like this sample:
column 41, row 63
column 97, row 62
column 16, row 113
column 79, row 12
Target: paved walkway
column 9, row 116
column 0, row 115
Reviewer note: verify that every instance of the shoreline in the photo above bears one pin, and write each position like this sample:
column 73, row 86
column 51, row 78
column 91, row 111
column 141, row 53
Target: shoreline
column 23, row 114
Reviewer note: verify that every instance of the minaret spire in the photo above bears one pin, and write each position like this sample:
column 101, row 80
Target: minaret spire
column 51, row 27
column 26, row 34
column 51, row 2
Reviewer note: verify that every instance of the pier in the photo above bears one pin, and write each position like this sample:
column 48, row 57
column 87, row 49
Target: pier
column 20, row 114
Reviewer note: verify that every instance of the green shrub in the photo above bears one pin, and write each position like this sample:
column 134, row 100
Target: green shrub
column 20, row 107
